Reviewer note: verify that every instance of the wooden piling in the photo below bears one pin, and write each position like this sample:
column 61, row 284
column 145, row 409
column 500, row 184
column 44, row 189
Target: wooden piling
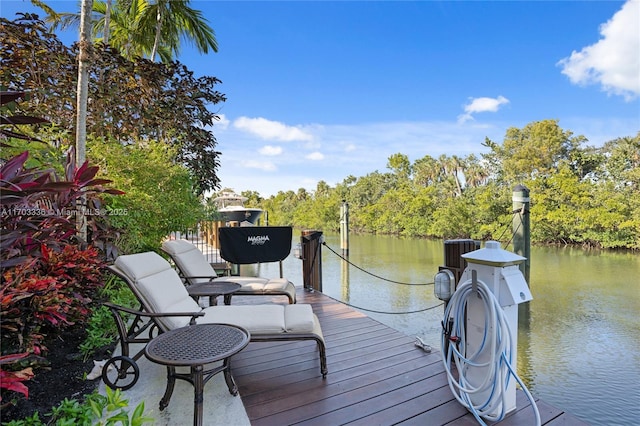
column 311, row 242
column 344, row 228
column 521, row 227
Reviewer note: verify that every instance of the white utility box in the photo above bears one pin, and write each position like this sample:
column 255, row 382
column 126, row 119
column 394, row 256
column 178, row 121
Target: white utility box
column 498, row 269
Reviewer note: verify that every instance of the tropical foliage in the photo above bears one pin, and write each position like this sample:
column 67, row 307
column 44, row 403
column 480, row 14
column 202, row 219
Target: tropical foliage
column 49, row 277
column 159, row 195
column 40, row 208
column 579, row 194
column 129, row 101
column 147, row 128
column 47, row 294
column 142, row 28
column 96, row 409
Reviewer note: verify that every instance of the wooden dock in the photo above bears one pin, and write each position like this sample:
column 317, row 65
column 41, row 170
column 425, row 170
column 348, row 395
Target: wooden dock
column 377, row 376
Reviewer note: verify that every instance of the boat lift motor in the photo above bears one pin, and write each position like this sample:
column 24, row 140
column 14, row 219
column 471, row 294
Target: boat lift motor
column 481, row 331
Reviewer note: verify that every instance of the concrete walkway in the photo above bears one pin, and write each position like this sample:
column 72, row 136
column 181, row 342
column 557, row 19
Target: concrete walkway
column 220, row 408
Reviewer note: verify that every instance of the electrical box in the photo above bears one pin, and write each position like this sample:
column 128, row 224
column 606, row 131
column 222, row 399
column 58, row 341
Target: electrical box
column 513, row 287
column 498, row 269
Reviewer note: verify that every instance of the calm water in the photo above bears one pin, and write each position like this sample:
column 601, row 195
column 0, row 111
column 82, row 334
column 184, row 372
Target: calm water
column 578, row 341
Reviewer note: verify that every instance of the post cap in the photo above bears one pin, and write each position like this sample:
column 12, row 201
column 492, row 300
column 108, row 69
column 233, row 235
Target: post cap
column 493, row 255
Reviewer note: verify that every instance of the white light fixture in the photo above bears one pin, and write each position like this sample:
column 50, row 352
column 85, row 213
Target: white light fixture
column 444, row 283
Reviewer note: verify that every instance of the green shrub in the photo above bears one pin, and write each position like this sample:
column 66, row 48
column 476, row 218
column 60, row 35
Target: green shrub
column 101, row 327
column 159, row 194
column 96, row 409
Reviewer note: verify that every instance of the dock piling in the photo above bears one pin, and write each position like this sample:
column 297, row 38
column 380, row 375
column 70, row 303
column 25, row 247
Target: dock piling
column 311, row 242
column 521, row 227
column 344, row 228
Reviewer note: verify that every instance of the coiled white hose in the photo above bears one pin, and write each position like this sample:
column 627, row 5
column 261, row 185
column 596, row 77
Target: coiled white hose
column 486, row 399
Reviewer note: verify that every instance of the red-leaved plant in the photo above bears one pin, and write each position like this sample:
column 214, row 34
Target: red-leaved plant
column 48, row 294
column 12, row 380
column 38, row 207
column 49, row 276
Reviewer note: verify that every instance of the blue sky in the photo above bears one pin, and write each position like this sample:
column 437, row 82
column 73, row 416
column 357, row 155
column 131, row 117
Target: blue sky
column 323, row 90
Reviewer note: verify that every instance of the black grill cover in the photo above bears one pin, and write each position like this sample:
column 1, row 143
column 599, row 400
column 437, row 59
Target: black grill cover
column 255, row 244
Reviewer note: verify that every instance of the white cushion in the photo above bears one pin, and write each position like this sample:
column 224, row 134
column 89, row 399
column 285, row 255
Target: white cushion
column 257, row 319
column 141, row 265
column 279, row 284
column 177, row 246
column 159, row 285
column 189, row 260
column 298, row 318
column 253, row 282
column 162, row 290
column 261, row 285
column 264, row 319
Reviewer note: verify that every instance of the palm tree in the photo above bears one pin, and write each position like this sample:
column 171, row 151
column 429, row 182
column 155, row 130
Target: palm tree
column 83, row 85
column 47, row 9
column 83, row 80
column 145, row 28
column 476, row 174
column 457, row 166
column 426, row 171
column 82, row 97
column 185, row 22
column 107, row 22
column 118, row 26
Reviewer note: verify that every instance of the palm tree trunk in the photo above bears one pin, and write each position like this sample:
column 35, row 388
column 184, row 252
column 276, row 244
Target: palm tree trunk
column 107, row 23
column 83, row 80
column 156, row 42
column 81, row 98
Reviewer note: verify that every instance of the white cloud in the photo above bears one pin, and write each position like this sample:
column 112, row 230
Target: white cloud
column 614, row 61
column 271, row 130
column 270, row 150
column 222, row 123
column 484, row 104
column 369, row 146
column 266, row 166
column 316, row 156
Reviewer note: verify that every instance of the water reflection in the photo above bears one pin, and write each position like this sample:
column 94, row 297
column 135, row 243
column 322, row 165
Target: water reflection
column 578, row 344
column 344, row 279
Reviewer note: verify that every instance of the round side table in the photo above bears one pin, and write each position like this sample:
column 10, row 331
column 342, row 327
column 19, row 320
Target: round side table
column 195, row 346
column 213, row 289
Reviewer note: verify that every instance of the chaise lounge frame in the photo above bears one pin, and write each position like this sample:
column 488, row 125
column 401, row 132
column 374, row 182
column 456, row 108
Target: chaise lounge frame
column 130, row 334
column 194, row 268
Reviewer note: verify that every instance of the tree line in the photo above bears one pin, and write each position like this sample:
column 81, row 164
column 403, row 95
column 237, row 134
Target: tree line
column 580, row 194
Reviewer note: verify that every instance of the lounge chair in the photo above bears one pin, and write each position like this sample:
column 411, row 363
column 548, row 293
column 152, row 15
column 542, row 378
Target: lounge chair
column 161, row 291
column 194, row 268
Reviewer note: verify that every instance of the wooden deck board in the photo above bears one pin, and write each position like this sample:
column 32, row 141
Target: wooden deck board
column 347, row 392
column 376, row 376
